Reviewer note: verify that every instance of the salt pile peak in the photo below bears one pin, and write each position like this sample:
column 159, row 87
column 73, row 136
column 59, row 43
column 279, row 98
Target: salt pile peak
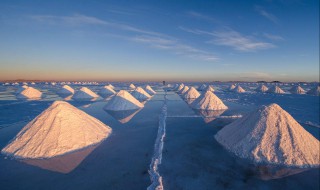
column 314, row 91
column 232, row 87
column 132, row 86
column 140, row 94
column 123, row 100
column 106, row 91
column 60, row 129
column 239, row 89
column 85, row 93
column 183, row 90
column 276, row 89
column 66, row 89
column 192, row 93
column 149, row 90
column 270, row 135
column 262, row 88
column 208, row 101
column 30, row 93
column 297, row 90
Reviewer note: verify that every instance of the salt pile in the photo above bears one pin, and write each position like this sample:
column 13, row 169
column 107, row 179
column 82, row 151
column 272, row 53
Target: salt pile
column 192, row 93
column 208, row 101
column 184, row 90
column 111, row 86
column 30, row 93
column 123, row 100
column 239, row 89
column 209, row 88
column 297, row 90
column 314, row 91
column 60, row 129
column 66, row 90
column 262, row 88
column 202, row 87
column 85, row 93
column 106, row 91
column 232, row 87
column 21, row 88
column 149, row 90
column 270, row 135
column 180, row 87
column 275, row 89
column 140, row 94
column 132, row 86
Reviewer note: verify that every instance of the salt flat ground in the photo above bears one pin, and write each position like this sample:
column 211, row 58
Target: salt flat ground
column 192, row 159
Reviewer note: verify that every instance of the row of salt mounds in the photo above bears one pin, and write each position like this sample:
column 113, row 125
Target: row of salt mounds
column 123, row 100
column 30, row 93
column 238, row 89
column 106, row 91
column 132, row 86
column 208, row 101
column 60, row 129
column 149, row 90
column 140, row 94
column 297, row 90
column 21, row 88
column 315, row 91
column 262, row 88
column 66, row 90
column 183, row 90
column 270, row 135
column 275, row 89
column 84, row 93
column 192, row 93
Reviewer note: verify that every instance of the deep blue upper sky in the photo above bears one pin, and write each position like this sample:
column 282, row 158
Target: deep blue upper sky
column 160, row 40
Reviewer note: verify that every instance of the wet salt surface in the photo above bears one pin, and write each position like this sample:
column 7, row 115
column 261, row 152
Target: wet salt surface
column 192, row 159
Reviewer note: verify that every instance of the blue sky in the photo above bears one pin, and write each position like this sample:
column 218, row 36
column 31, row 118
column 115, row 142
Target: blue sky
column 160, row 40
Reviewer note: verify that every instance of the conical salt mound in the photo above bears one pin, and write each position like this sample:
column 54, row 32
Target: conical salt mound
column 180, row 87
column 21, row 88
column 30, row 93
column 239, row 89
column 184, row 90
column 60, row 129
column 123, row 100
column 132, row 86
column 85, row 93
column 140, row 94
column 209, row 88
column 192, row 93
column 232, row 87
column 297, row 90
column 202, row 87
column 208, row 101
column 276, row 89
column 149, row 90
column 270, row 135
column 262, row 88
column 66, row 90
column 106, row 91
column 315, row 91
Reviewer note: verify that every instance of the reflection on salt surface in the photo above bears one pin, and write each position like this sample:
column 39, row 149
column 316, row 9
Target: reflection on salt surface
column 62, row 164
column 210, row 115
column 273, row 172
column 123, row 116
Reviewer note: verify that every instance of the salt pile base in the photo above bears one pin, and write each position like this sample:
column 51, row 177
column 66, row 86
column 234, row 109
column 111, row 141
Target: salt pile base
column 140, row 94
column 123, row 100
column 60, row 129
column 208, row 101
column 270, row 135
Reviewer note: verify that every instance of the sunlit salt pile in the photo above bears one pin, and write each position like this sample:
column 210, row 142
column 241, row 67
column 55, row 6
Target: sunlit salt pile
column 262, row 88
column 270, row 135
column 239, row 89
column 84, row 93
column 21, row 88
column 297, row 90
column 202, row 87
column 208, row 101
column 66, row 90
column 314, row 91
column 184, row 90
column 275, row 89
column 232, row 87
column 30, row 93
column 149, row 90
column 180, row 87
column 140, row 94
column 209, row 88
column 123, row 100
column 192, row 93
column 60, row 129
column 106, row 91
column 111, row 86
column 132, row 86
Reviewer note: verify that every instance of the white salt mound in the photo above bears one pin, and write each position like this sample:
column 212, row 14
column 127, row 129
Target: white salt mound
column 297, row 90
column 183, row 90
column 149, row 90
column 85, row 93
column 140, row 94
column 106, row 91
column 30, row 93
column 208, row 101
column 21, row 88
column 314, row 91
column 123, row 100
column 232, row 87
column 209, row 88
column 60, row 129
column 192, row 93
column 180, row 87
column 262, row 88
column 276, row 89
column 132, row 86
column 270, row 135
column 66, row 90
column 239, row 89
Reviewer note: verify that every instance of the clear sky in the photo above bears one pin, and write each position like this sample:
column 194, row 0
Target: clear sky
column 199, row 40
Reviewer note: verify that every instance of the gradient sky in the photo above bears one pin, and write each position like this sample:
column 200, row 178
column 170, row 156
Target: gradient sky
column 200, row 40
